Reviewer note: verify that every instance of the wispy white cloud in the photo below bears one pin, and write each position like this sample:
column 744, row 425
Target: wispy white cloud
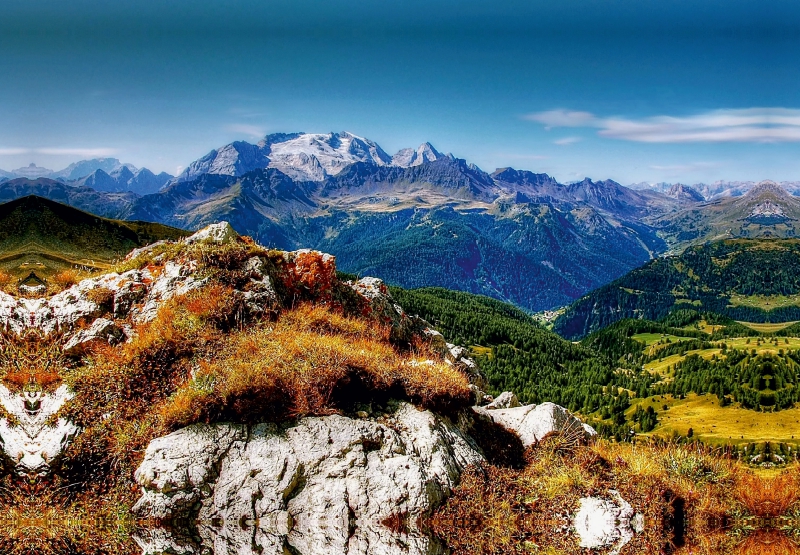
column 563, row 118
column 14, row 151
column 756, row 125
column 85, row 152
column 253, row 131
column 567, row 141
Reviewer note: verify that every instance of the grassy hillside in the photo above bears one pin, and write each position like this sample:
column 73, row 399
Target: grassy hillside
column 725, row 380
column 755, row 280
column 37, row 234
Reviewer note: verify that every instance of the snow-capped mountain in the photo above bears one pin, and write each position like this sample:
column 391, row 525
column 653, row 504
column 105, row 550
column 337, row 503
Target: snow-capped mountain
column 409, row 157
column 304, row 156
column 301, row 156
column 313, row 157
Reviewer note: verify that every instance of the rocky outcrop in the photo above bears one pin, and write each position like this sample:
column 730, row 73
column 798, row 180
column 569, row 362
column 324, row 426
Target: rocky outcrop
column 323, row 485
column 221, row 232
column 30, row 440
column 101, row 330
column 532, row 423
column 506, row 400
column 602, row 523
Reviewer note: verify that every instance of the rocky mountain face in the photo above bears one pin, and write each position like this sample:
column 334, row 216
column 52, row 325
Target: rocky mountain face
column 421, row 218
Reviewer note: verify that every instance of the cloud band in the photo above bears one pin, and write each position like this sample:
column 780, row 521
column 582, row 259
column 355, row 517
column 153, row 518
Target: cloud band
column 757, row 125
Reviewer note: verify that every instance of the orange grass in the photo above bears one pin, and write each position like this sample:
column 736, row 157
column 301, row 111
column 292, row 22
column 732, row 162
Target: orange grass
column 302, row 365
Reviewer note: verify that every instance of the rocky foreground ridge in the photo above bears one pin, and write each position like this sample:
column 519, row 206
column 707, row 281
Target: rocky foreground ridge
column 362, row 479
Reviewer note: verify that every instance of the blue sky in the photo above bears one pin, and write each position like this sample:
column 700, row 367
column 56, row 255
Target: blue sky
column 627, row 90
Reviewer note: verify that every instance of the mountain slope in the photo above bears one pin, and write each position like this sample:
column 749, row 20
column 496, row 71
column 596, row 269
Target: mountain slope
column 443, row 223
column 53, row 235
column 756, row 280
column 766, row 210
column 110, row 205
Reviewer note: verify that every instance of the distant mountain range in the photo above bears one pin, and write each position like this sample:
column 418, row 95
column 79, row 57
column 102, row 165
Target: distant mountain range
column 101, row 174
column 419, row 217
column 713, row 191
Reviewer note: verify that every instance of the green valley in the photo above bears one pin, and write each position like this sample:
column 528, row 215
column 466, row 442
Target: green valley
column 692, row 375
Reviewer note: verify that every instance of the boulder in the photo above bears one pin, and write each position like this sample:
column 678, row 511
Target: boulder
column 221, row 232
column 102, row 330
column 506, row 400
column 533, row 422
column 602, row 523
column 325, row 485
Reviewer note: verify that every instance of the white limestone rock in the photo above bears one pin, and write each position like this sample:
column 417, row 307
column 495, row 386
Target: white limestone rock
column 31, row 443
column 506, row 400
column 221, row 232
column 533, row 422
column 325, row 485
column 602, row 523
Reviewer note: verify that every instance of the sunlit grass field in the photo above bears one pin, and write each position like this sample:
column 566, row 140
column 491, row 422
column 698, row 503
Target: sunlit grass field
column 711, row 423
column 715, row 425
column 768, row 327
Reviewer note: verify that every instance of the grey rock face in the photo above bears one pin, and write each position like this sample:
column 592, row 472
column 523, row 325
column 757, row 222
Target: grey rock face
column 323, row 486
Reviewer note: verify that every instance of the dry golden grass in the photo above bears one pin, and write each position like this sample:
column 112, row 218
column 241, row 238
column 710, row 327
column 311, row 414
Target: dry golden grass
column 45, row 518
column 690, row 498
column 311, row 361
column 65, row 278
column 768, row 497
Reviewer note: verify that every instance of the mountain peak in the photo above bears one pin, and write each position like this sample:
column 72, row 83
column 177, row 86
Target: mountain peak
column 682, row 192
column 767, row 188
column 409, row 157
